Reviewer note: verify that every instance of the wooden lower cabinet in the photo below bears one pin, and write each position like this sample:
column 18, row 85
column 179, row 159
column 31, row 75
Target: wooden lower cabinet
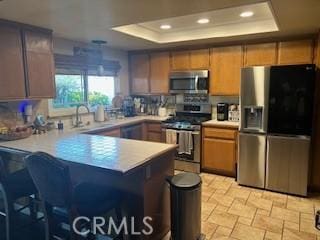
column 111, row 133
column 219, row 150
column 153, row 132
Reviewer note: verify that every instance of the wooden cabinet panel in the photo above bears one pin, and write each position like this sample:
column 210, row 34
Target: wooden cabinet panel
column 140, row 68
column 154, row 136
column 154, row 127
column 220, row 133
column 180, row 60
column 159, row 72
column 12, row 78
column 260, row 54
column 296, row 52
column 112, row 133
column 40, row 64
column 219, row 154
column 225, row 65
column 199, row 59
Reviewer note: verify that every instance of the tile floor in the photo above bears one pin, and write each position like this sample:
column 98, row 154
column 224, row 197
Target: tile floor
column 230, row 211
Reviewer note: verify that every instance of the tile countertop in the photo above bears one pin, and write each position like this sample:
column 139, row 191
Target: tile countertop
column 224, row 124
column 98, row 126
column 116, row 154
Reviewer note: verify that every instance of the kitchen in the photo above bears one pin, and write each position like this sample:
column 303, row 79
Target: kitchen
column 128, row 102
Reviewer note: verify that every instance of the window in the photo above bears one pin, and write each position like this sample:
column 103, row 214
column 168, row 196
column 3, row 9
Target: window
column 74, row 87
column 70, row 90
column 100, row 90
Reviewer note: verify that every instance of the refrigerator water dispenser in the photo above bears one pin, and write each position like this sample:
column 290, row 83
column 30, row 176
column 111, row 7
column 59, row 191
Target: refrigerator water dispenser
column 253, row 118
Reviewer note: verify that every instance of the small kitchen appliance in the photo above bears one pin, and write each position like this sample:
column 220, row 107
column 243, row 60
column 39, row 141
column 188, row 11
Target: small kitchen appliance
column 129, row 107
column 222, row 111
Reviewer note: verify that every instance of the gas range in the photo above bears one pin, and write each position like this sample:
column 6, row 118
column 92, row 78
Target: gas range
column 188, row 117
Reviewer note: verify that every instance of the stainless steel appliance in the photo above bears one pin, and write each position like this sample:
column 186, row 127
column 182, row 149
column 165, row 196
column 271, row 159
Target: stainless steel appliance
column 276, row 106
column 189, row 117
column 222, row 111
column 189, row 82
column 132, row 132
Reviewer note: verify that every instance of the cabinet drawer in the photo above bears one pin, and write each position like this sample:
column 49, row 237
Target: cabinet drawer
column 154, row 127
column 220, row 133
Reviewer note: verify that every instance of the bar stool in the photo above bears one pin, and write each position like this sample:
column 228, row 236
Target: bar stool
column 14, row 186
column 52, row 178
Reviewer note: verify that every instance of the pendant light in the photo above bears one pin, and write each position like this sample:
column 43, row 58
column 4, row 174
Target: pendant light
column 99, row 44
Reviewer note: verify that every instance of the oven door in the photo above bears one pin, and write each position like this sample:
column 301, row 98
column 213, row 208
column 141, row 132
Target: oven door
column 189, row 82
column 195, row 153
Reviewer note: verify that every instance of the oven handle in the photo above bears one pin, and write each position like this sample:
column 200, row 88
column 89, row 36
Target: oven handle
column 193, row 132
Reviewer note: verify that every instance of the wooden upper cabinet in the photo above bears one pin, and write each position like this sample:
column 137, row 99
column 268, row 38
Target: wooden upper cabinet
column 225, row 66
column 180, row 60
column 199, row 59
column 39, row 64
column 296, row 52
column 12, row 79
column 159, row 72
column 140, row 70
column 260, row 54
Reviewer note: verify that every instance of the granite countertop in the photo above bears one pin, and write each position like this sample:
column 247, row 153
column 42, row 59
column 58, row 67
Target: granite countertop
column 216, row 123
column 116, row 154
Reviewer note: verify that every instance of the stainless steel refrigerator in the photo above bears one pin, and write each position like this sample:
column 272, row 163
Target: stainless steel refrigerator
column 276, row 105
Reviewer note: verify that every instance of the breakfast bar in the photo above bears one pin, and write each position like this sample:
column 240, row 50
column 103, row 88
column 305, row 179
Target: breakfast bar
column 136, row 168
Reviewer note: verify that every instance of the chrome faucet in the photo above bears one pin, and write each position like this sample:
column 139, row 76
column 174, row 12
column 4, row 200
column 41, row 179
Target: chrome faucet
column 78, row 120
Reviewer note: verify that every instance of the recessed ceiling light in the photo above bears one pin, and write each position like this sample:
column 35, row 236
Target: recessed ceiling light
column 203, row 20
column 246, row 14
column 165, row 26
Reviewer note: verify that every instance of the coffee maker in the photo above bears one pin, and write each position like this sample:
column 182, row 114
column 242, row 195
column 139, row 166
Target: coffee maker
column 222, row 111
column 128, row 107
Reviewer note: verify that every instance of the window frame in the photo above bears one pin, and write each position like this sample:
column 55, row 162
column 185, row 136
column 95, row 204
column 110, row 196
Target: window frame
column 68, row 111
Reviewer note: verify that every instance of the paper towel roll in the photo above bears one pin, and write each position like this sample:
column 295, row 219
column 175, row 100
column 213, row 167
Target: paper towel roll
column 99, row 114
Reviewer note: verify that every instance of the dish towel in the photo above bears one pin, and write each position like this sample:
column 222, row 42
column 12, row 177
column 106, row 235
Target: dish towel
column 185, row 142
column 171, row 136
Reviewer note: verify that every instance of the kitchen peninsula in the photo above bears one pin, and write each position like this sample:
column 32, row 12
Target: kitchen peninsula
column 137, row 168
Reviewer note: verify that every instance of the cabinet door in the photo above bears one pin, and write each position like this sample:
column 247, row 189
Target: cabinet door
column 260, row 54
column 39, row 65
column 199, row 59
column 159, row 72
column 219, row 155
column 154, row 137
column 12, row 79
column 226, row 63
column 140, row 68
column 296, row 52
column 180, row 60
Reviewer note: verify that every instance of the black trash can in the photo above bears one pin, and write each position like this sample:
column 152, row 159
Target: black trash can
column 185, row 192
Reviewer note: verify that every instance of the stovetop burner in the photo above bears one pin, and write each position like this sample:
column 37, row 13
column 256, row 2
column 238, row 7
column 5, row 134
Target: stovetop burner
column 185, row 122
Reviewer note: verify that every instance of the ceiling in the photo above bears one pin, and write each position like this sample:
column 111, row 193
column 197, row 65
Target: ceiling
column 84, row 20
column 221, row 23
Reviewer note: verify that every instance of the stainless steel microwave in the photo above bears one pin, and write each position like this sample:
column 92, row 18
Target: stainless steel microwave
column 189, row 82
